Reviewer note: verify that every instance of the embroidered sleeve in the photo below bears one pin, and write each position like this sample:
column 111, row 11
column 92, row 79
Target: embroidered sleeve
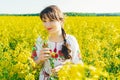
column 36, row 48
column 34, row 54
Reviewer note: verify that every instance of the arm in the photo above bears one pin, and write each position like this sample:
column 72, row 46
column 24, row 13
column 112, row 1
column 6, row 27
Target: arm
column 35, row 56
column 76, row 54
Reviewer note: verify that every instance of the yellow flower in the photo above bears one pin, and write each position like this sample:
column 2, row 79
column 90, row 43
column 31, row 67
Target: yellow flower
column 30, row 77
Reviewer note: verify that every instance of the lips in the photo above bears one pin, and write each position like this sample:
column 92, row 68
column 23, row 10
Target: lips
column 49, row 28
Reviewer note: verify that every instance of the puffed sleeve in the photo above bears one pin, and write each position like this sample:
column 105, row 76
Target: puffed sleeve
column 75, row 50
column 36, row 48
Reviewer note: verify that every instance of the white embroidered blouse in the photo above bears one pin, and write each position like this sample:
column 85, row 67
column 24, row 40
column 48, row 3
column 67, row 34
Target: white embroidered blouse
column 59, row 58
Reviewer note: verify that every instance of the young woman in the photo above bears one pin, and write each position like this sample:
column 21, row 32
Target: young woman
column 64, row 46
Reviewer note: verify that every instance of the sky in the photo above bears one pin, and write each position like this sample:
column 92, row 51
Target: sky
column 35, row 6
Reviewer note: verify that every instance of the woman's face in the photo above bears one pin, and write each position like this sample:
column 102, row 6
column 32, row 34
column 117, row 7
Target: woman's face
column 53, row 26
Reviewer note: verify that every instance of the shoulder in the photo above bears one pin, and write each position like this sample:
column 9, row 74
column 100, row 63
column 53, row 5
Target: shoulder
column 72, row 41
column 70, row 38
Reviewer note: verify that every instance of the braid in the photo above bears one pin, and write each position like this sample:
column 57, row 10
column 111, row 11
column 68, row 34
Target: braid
column 65, row 46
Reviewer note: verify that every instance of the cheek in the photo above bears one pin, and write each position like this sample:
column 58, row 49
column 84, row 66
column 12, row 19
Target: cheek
column 46, row 24
column 58, row 25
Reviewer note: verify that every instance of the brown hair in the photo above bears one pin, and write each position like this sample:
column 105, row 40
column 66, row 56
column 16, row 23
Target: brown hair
column 54, row 13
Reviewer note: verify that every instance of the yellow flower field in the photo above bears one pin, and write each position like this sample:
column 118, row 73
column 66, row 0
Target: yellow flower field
column 98, row 38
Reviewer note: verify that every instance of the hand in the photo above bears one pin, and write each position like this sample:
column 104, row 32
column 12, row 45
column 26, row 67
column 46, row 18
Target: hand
column 56, row 69
column 44, row 54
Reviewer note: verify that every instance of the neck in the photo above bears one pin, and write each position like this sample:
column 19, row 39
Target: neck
column 56, row 37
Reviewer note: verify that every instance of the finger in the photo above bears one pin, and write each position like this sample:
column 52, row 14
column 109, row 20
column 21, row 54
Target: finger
column 46, row 58
column 46, row 55
column 46, row 49
column 43, row 56
column 44, row 52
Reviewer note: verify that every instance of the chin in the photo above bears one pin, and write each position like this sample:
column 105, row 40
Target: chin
column 52, row 32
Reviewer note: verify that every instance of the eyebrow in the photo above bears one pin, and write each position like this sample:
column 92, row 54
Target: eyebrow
column 48, row 19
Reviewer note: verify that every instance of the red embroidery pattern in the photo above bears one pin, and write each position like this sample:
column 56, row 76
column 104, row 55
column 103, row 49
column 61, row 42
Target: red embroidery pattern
column 60, row 53
column 34, row 54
